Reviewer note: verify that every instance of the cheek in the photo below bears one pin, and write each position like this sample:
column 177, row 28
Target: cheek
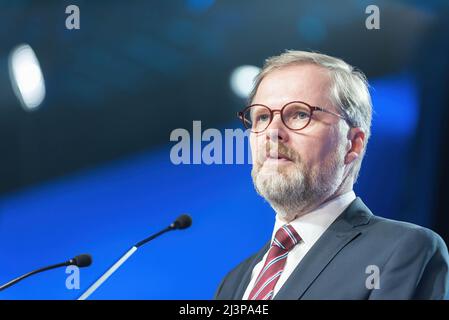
column 257, row 144
column 314, row 150
column 328, row 149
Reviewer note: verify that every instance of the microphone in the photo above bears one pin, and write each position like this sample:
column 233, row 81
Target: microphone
column 82, row 260
column 182, row 222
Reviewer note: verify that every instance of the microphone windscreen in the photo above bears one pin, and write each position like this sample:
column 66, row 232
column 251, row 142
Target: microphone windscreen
column 83, row 260
column 183, row 221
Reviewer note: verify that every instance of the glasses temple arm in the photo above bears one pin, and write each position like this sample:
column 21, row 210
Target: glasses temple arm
column 344, row 117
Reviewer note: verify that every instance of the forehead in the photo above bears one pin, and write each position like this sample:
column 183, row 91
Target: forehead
column 305, row 82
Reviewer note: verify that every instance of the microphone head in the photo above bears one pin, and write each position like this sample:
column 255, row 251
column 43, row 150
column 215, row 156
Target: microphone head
column 182, row 222
column 82, row 260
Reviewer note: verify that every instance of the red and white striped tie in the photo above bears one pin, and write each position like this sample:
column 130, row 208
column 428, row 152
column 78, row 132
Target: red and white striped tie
column 284, row 240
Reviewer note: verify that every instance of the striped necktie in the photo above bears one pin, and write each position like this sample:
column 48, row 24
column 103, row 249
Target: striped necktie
column 284, row 240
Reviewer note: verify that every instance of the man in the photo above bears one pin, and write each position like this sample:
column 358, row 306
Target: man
column 310, row 118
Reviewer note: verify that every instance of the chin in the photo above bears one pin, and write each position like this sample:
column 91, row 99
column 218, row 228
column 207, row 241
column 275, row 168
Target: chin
column 273, row 168
column 273, row 182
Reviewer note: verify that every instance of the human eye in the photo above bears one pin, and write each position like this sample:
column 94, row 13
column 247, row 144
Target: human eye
column 263, row 117
column 299, row 114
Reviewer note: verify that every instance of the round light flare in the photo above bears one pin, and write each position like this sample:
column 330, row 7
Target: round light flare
column 242, row 80
column 26, row 77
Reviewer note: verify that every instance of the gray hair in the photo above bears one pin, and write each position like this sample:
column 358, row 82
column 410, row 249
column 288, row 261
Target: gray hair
column 349, row 90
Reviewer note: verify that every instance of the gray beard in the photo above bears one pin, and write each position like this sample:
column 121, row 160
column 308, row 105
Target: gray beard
column 294, row 191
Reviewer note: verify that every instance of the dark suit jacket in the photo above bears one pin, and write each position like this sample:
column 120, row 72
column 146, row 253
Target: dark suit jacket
column 412, row 261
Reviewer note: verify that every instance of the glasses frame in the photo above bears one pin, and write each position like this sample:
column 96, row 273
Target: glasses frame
column 241, row 114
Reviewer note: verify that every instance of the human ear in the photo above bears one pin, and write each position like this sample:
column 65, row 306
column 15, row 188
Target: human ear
column 356, row 143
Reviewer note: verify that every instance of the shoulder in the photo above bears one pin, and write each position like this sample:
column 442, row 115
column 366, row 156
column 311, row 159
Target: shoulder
column 406, row 233
column 391, row 232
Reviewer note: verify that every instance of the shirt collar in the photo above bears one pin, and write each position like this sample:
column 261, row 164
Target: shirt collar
column 313, row 224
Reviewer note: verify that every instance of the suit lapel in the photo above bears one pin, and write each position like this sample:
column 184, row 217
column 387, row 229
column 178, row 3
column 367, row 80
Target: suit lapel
column 247, row 275
column 335, row 238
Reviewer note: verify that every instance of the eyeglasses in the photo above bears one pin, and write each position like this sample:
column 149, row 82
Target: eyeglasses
column 295, row 115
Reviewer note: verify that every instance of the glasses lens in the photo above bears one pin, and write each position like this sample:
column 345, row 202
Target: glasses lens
column 257, row 118
column 296, row 115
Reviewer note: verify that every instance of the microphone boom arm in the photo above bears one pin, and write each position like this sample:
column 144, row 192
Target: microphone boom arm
column 14, row 281
column 183, row 221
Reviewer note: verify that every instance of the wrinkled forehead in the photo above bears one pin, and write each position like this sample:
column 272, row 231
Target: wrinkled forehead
column 305, row 82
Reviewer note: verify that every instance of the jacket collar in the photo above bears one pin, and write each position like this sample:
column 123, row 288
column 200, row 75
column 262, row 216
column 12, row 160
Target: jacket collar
column 341, row 232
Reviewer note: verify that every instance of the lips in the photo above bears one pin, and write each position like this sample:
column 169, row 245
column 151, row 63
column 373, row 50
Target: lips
column 277, row 156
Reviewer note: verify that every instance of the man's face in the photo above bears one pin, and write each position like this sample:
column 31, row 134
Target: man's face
column 295, row 169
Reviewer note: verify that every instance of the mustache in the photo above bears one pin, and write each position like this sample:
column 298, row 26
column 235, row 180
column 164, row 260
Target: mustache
column 281, row 150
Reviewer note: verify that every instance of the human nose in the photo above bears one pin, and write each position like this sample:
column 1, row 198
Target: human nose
column 277, row 130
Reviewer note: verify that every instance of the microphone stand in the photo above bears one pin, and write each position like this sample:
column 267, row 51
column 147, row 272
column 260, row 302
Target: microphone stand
column 120, row 261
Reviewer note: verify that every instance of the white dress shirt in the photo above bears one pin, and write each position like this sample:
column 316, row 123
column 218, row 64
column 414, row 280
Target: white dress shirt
column 310, row 227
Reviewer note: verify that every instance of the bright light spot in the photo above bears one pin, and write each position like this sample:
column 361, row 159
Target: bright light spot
column 26, row 77
column 242, row 80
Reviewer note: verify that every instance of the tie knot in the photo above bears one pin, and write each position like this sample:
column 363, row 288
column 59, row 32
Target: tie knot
column 286, row 237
